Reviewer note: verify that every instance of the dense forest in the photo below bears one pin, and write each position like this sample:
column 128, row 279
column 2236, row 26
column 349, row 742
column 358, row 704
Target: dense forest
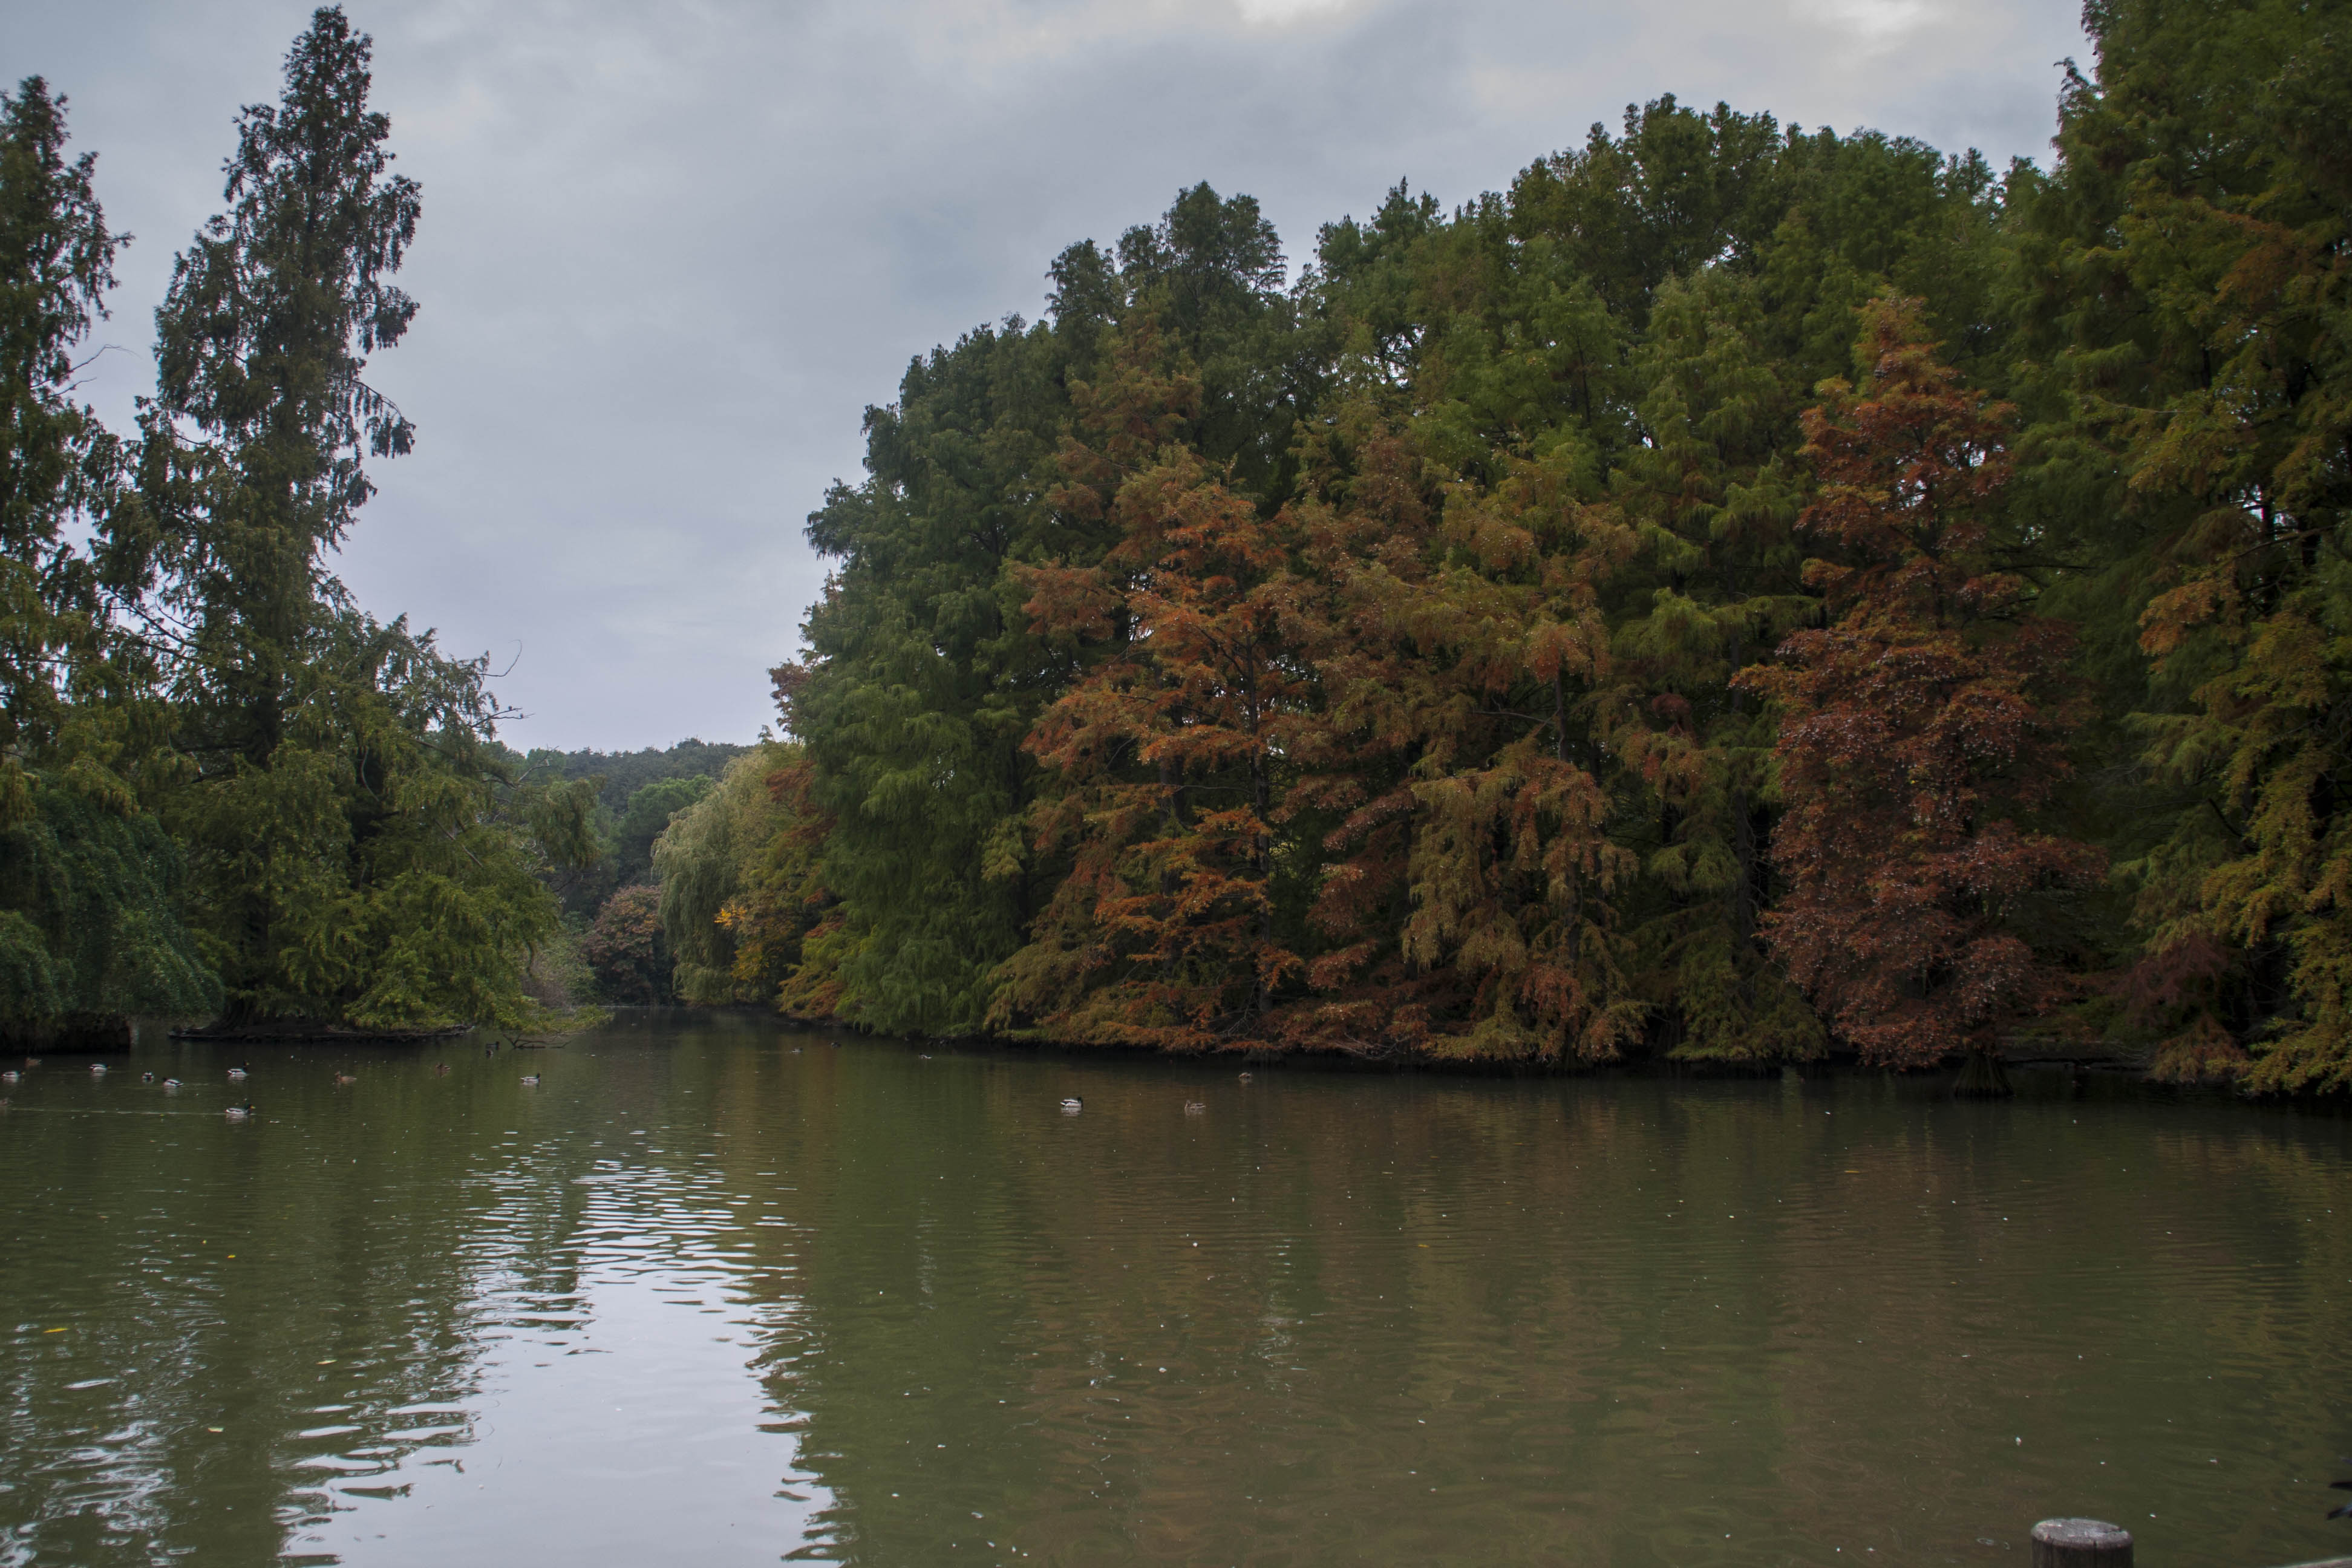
column 1737, row 593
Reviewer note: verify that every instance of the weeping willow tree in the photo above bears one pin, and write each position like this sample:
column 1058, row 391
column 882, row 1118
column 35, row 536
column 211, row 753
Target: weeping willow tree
column 742, row 908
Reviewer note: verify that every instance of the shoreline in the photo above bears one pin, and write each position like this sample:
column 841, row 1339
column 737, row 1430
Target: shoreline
column 2080, row 1066
column 2036, row 1063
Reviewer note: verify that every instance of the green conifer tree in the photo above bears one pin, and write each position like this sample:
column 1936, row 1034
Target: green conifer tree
column 1716, row 585
column 88, row 929
column 2181, row 281
column 353, row 865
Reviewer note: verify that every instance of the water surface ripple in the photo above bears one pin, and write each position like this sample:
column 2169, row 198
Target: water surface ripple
column 713, row 1291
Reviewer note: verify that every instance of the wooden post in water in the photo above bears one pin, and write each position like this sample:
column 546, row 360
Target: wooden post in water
column 2080, row 1544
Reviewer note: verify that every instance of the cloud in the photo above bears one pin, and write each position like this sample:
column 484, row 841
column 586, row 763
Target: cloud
column 1877, row 23
column 1282, row 13
column 670, row 253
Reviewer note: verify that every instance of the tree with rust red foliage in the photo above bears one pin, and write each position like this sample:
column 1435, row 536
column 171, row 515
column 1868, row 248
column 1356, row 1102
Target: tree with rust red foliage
column 626, row 950
column 1921, row 730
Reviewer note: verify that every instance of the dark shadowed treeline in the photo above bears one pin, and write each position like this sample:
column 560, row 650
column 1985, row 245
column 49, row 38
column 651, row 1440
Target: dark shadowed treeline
column 1736, row 592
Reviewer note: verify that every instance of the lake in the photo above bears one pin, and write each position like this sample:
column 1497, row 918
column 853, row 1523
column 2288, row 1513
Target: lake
column 715, row 1292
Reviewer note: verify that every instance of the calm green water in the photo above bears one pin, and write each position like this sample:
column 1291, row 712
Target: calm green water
column 703, row 1297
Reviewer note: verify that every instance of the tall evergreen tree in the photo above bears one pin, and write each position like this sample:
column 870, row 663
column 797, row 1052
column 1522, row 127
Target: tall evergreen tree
column 341, row 807
column 2179, row 280
column 926, row 676
column 87, row 929
column 1713, row 586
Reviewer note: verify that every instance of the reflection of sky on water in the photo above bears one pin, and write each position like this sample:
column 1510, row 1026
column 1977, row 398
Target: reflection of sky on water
column 612, row 1421
column 430, row 1316
column 701, row 1297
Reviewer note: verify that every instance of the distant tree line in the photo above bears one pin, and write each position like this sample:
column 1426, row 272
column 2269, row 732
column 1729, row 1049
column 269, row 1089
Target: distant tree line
column 614, row 948
column 1736, row 593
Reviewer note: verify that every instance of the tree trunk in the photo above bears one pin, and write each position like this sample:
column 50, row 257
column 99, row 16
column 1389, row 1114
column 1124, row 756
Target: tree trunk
column 1981, row 1077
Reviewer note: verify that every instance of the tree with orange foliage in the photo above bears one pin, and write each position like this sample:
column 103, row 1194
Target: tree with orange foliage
column 1167, row 746
column 1512, row 865
column 1465, row 895
column 1364, row 544
column 1921, row 730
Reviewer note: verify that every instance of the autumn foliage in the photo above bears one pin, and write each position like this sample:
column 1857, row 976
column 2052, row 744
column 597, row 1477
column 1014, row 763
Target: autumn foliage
column 1258, row 694
column 1166, row 746
column 1921, row 730
column 1736, row 595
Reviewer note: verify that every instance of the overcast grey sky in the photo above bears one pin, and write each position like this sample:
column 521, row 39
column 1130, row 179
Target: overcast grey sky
column 671, row 251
